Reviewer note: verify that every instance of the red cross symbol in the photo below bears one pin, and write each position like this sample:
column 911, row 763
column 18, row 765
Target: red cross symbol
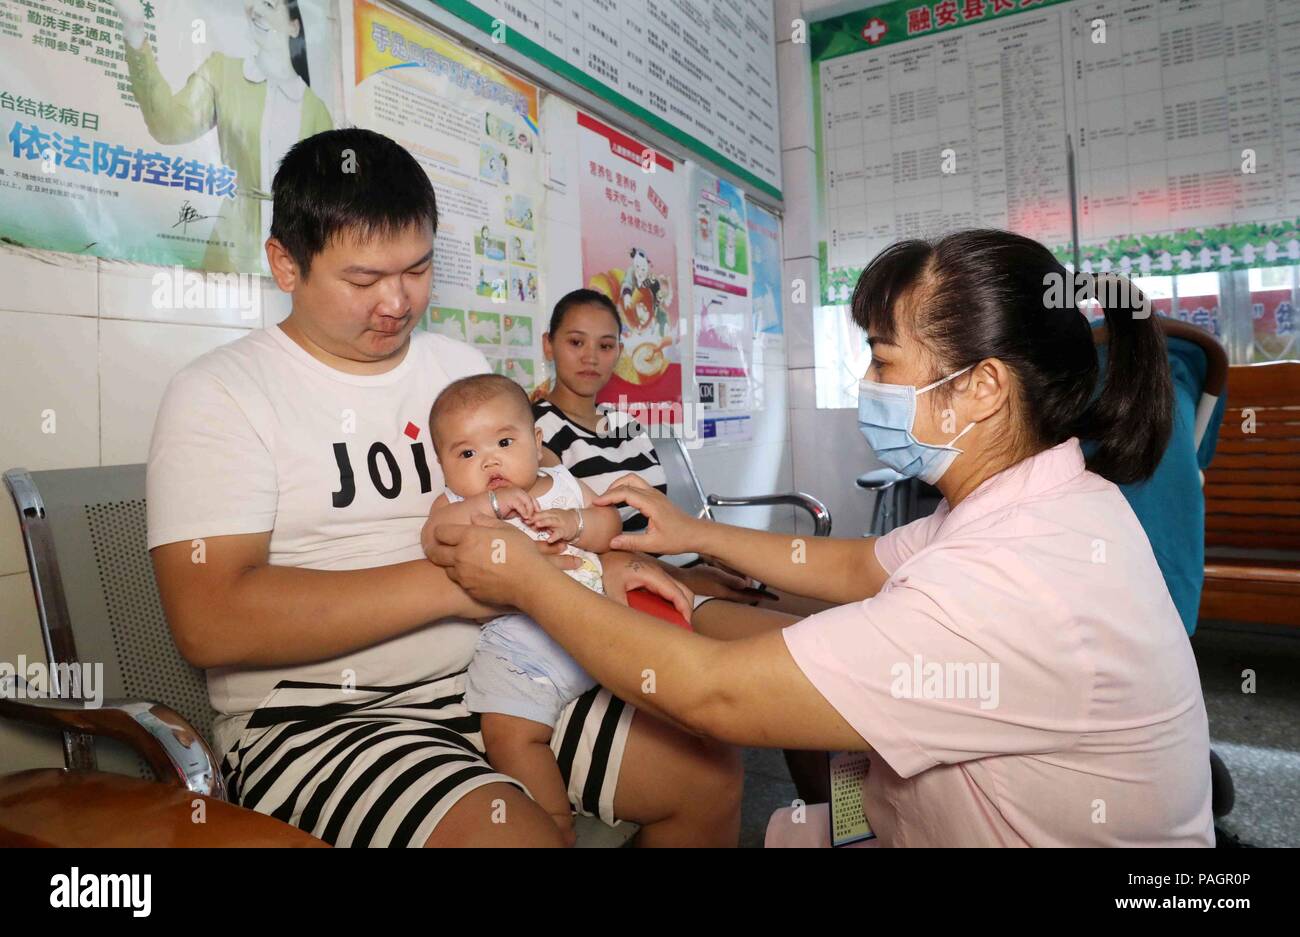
column 412, row 430
column 875, row 30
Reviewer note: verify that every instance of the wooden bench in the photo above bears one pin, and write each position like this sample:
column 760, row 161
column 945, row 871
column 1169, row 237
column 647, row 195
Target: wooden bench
column 1252, row 500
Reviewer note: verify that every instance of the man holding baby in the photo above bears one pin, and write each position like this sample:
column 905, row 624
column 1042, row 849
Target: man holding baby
column 290, row 474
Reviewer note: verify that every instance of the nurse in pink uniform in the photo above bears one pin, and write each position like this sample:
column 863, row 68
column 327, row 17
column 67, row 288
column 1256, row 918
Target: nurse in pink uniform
column 1013, row 664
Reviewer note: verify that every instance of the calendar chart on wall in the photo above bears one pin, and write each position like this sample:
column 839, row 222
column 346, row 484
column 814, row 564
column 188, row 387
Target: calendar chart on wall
column 1183, row 119
column 702, row 73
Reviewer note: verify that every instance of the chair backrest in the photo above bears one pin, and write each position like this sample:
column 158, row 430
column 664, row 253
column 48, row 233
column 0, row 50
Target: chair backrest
column 1252, row 490
column 684, row 488
column 85, row 534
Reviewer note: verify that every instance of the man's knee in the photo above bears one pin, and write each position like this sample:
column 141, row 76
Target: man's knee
column 495, row 815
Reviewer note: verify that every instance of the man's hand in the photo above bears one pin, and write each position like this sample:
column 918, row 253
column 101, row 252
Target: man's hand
column 624, row 572
column 495, row 562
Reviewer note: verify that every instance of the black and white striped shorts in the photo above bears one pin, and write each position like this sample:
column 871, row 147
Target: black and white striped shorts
column 380, row 766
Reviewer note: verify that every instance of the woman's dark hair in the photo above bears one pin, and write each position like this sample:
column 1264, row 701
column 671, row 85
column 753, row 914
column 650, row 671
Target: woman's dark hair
column 298, row 43
column 982, row 294
column 347, row 179
column 578, row 298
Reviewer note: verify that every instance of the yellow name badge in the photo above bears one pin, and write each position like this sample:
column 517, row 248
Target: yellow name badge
column 848, row 818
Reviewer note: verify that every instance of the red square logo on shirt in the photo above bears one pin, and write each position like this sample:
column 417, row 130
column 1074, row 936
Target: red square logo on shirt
column 412, row 430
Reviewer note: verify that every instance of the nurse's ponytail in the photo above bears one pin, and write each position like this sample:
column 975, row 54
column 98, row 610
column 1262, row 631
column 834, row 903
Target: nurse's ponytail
column 1131, row 419
column 983, row 294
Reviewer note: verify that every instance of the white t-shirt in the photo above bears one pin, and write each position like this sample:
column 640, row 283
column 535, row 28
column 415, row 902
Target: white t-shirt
column 258, row 435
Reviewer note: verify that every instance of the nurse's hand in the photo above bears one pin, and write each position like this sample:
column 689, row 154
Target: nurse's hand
column 670, row 530
column 494, row 562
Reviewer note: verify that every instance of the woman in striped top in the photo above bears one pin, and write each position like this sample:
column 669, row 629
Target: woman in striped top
column 597, row 443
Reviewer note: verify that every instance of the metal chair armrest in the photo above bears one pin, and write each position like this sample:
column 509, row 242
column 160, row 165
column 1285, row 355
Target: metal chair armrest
column 680, row 560
column 821, row 516
column 173, row 748
column 879, row 479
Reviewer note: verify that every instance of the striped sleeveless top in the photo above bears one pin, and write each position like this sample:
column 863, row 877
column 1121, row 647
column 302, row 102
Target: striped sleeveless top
column 600, row 459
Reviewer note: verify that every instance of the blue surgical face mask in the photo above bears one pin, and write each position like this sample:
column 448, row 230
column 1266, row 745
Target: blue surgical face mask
column 886, row 415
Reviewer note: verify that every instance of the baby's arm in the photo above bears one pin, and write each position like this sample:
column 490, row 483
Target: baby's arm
column 510, row 501
column 455, row 512
column 600, row 525
column 445, row 511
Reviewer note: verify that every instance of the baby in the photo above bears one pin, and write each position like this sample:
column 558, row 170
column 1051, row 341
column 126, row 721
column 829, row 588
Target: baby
column 520, row 680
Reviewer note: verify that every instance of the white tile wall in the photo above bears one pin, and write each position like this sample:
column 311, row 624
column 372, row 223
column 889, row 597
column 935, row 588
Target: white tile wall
column 799, row 331
column 795, row 69
column 798, row 166
column 146, row 293
column 137, row 359
column 85, row 347
column 772, row 422
column 47, row 281
column 786, row 10
column 829, row 454
column 49, row 385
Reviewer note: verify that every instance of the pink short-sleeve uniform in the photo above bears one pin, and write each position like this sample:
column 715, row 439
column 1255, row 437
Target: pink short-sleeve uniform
column 1023, row 678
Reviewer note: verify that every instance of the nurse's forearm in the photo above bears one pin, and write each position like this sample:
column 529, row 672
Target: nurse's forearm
column 656, row 666
column 833, row 570
column 744, row 692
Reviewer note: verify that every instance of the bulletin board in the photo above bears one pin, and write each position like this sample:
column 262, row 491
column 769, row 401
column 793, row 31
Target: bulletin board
column 608, row 219
column 477, row 130
column 1182, row 119
column 701, row 74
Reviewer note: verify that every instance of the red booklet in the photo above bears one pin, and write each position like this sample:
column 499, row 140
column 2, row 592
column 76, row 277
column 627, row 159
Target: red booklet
column 646, row 601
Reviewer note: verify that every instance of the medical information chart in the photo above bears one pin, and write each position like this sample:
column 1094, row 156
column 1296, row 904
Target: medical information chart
column 706, row 68
column 1172, row 108
column 1184, row 116
column 956, row 131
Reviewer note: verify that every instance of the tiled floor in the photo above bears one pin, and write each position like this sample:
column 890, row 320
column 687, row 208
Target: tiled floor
column 767, row 787
column 1256, row 734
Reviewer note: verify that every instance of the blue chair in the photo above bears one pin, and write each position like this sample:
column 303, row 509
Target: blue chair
column 1170, row 504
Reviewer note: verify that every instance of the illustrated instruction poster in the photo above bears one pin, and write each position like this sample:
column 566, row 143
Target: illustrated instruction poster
column 765, row 262
column 476, row 129
column 159, row 144
column 626, row 194
column 724, row 328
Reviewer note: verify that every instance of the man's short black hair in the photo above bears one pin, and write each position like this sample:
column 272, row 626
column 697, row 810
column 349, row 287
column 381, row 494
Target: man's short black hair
column 347, row 179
